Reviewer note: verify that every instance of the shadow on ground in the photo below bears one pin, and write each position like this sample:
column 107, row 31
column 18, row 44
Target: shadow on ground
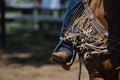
column 28, row 48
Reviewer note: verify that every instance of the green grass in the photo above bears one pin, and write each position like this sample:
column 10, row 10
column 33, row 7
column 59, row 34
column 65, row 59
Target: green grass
column 27, row 40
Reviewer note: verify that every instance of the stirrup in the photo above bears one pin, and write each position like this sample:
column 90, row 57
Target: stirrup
column 73, row 53
column 72, row 59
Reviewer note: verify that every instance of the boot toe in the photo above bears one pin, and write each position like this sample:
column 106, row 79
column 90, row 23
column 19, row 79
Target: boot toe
column 62, row 57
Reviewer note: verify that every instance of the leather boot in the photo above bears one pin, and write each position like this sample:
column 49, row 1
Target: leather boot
column 62, row 57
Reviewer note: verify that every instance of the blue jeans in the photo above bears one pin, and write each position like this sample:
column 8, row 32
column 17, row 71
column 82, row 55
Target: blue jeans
column 73, row 4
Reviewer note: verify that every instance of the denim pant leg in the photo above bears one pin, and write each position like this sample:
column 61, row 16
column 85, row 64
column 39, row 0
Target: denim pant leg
column 73, row 4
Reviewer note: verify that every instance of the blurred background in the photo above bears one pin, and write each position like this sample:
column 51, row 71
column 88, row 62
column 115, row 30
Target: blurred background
column 29, row 31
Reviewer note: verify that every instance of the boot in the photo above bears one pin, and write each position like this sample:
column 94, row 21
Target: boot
column 62, row 57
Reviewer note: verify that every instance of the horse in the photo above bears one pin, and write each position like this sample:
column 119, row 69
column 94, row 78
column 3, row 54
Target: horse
column 107, row 12
column 94, row 31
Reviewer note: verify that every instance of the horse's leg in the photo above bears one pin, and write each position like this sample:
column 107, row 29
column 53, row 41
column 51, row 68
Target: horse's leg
column 93, row 66
column 110, row 72
column 95, row 78
column 102, row 67
column 98, row 79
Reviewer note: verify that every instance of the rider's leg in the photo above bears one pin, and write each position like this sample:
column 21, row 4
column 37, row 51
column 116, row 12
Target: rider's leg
column 66, row 49
column 73, row 4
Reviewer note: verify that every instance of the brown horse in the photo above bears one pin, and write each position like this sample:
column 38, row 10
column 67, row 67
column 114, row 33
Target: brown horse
column 107, row 66
column 100, row 53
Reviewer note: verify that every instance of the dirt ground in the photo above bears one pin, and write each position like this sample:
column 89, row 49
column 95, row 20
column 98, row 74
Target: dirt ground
column 35, row 66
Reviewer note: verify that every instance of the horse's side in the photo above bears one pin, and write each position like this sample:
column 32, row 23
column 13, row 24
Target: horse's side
column 88, row 34
column 106, row 66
